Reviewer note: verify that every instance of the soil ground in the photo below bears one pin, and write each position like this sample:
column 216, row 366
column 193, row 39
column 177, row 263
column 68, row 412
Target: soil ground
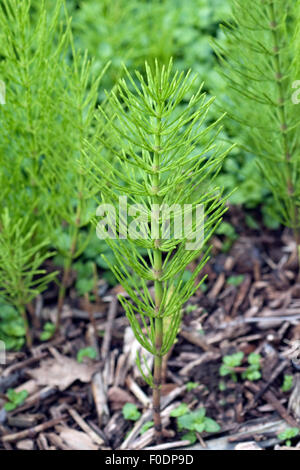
column 250, row 303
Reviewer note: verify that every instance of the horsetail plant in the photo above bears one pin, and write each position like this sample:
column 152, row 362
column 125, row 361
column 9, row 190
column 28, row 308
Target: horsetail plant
column 166, row 161
column 50, row 107
column 29, row 66
column 21, row 276
column 72, row 194
column 260, row 52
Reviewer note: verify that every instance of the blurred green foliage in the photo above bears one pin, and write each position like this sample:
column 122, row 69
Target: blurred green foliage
column 132, row 31
column 12, row 327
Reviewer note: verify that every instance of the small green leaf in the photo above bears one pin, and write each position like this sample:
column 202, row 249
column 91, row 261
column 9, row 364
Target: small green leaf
column 287, row 383
column 235, row 280
column 191, row 308
column 49, row 331
column 224, row 370
column 251, row 375
column 199, row 427
column 189, row 436
column 13, row 329
column 191, row 386
column 222, row 386
column 181, row 410
column 251, row 222
column 86, row 352
column 84, row 286
column 234, row 360
column 10, row 406
column 192, row 421
column 200, row 413
column 146, row 426
column 131, row 412
column 211, row 425
column 21, row 397
column 186, row 422
column 288, row 433
column 254, row 359
column 15, row 399
column 227, row 229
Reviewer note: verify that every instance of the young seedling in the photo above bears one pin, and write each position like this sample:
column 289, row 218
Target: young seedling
column 12, row 328
column 230, row 362
column 194, row 422
column 146, row 426
column 233, row 361
column 131, row 412
column 166, row 159
column 191, row 386
column 235, row 280
column 287, row 435
column 287, row 383
column 48, row 331
column 15, row 399
column 260, row 54
column 252, row 372
column 89, row 352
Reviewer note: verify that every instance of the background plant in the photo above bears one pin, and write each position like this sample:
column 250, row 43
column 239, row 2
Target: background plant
column 50, row 105
column 12, row 327
column 30, row 58
column 21, row 276
column 260, row 55
column 71, row 196
column 135, row 31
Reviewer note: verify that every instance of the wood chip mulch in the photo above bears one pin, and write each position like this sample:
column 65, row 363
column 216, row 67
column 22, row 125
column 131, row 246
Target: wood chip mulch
column 72, row 405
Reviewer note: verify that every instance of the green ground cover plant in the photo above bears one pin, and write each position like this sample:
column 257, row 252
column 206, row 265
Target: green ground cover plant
column 89, row 352
column 131, row 412
column 233, row 361
column 287, row 435
column 229, row 363
column 15, row 399
column 194, row 422
column 252, row 372
column 287, row 383
column 12, row 327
